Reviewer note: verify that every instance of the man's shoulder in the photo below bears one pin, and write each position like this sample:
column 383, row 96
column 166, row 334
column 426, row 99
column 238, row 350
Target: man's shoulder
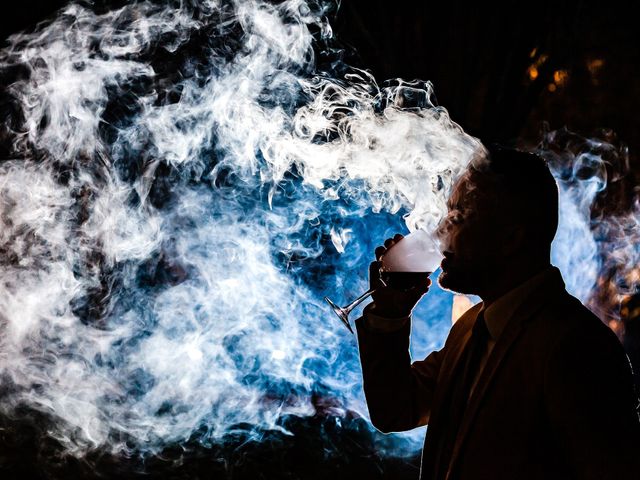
column 565, row 309
column 567, row 321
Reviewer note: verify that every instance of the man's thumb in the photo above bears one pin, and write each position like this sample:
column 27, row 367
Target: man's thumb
column 374, row 275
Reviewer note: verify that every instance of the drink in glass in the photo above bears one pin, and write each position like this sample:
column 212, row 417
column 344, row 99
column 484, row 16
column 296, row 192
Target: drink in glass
column 406, row 264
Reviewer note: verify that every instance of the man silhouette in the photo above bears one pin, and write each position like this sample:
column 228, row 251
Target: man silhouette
column 529, row 383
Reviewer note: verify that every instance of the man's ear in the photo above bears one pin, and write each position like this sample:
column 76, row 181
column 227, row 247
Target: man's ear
column 515, row 239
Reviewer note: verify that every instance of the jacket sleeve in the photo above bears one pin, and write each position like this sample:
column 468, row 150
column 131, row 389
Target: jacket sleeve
column 592, row 405
column 399, row 393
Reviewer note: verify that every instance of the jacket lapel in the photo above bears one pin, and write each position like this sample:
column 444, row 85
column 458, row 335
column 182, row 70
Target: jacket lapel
column 526, row 311
column 455, row 347
column 451, row 360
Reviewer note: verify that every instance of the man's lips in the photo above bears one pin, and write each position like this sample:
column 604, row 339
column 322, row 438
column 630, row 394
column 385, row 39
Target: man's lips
column 446, row 261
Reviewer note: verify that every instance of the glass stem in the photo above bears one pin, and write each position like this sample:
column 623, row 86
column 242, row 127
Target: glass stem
column 358, row 300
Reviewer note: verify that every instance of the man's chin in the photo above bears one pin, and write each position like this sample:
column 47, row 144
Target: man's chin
column 449, row 280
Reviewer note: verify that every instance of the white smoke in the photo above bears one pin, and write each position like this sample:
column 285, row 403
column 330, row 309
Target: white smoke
column 598, row 242
column 574, row 248
column 177, row 173
column 133, row 318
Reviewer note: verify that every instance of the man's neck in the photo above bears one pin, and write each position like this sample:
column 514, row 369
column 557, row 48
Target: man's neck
column 501, row 284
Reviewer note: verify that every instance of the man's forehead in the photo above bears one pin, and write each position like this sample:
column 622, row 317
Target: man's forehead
column 469, row 190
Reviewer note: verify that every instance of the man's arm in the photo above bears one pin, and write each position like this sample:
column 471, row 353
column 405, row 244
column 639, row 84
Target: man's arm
column 399, row 393
column 592, row 405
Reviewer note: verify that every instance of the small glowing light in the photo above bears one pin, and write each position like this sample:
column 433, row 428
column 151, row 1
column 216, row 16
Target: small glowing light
column 532, row 71
column 278, row 355
column 552, row 87
column 560, row 77
column 533, row 52
column 594, row 65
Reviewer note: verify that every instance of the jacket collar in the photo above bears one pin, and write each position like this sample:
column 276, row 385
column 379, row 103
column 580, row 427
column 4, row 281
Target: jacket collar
column 498, row 314
column 542, row 294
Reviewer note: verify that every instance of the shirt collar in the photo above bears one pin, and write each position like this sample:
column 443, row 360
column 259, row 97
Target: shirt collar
column 498, row 314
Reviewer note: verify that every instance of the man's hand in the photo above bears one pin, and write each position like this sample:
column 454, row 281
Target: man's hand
column 387, row 301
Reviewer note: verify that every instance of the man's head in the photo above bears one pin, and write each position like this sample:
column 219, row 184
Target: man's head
column 503, row 215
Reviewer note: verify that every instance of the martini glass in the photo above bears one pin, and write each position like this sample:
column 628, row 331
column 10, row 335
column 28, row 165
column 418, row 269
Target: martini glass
column 406, row 264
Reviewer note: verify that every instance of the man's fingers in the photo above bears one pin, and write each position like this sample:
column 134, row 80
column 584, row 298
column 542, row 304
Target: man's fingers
column 374, row 267
column 380, row 251
column 389, row 242
column 374, row 275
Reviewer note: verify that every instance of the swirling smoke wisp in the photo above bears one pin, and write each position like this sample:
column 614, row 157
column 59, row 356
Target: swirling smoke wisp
column 181, row 184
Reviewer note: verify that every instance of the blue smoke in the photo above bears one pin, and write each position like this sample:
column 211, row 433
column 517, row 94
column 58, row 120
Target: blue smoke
column 186, row 182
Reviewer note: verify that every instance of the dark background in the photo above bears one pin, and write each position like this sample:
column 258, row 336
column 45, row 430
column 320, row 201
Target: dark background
column 503, row 73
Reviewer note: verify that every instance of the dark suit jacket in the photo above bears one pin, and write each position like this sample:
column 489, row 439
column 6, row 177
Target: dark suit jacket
column 554, row 401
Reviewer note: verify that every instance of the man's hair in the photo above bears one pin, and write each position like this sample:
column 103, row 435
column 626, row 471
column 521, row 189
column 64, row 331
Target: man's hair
column 524, row 187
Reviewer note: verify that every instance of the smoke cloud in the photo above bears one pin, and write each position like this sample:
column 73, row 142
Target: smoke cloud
column 182, row 184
